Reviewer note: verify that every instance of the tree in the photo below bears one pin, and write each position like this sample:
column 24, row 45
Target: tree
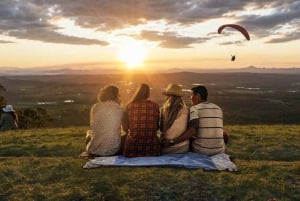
column 33, row 118
column 2, row 99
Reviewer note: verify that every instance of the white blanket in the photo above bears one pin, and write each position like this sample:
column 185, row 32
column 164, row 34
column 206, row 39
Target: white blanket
column 187, row 160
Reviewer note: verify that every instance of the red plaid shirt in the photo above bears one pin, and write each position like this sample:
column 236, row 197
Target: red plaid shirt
column 143, row 121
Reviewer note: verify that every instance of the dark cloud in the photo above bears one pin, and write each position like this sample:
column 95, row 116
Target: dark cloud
column 26, row 20
column 5, row 41
column 19, row 17
column 239, row 43
column 286, row 38
column 286, row 13
column 120, row 13
column 54, row 37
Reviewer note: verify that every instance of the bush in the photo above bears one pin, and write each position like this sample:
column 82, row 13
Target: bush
column 33, row 118
column 2, row 99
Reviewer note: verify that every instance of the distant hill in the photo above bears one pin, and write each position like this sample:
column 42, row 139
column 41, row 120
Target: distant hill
column 250, row 69
column 54, row 71
column 65, row 70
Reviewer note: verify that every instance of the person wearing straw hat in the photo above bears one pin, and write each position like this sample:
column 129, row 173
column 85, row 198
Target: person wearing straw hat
column 173, row 121
column 205, row 127
column 9, row 118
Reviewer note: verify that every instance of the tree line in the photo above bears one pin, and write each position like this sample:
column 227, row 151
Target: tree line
column 28, row 117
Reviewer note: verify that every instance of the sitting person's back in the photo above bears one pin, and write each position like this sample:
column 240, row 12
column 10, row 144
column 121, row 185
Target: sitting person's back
column 207, row 119
column 174, row 119
column 104, row 136
column 209, row 137
column 9, row 118
column 140, row 123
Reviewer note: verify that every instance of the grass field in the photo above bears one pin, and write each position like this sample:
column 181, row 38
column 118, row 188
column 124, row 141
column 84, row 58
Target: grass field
column 42, row 164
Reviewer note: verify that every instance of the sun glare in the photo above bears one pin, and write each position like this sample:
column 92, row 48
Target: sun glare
column 133, row 55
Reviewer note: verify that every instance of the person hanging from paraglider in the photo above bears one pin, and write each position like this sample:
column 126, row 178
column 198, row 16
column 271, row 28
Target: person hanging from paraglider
column 237, row 27
column 232, row 57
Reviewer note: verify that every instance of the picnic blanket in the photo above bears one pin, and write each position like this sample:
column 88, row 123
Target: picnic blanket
column 186, row 160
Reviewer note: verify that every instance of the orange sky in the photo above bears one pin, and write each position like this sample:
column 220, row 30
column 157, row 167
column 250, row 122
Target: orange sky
column 148, row 34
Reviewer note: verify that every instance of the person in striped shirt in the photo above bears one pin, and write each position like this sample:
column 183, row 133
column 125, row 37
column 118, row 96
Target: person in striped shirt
column 205, row 128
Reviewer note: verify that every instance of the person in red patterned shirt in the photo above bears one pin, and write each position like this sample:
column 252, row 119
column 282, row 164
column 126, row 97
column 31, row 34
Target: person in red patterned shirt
column 141, row 123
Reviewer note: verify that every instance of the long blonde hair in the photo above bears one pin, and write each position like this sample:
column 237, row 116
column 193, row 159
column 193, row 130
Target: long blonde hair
column 170, row 110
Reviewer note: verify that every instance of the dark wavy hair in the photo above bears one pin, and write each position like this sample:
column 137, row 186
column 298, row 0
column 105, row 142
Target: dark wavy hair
column 109, row 93
column 200, row 90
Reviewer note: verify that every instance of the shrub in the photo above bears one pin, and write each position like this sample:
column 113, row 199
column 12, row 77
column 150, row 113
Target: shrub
column 33, row 118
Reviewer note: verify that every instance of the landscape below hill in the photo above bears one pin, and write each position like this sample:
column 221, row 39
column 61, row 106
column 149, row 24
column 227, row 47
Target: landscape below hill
column 246, row 98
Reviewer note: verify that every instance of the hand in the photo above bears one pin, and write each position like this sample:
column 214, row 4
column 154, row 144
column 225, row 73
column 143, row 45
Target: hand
column 226, row 137
column 84, row 154
column 165, row 143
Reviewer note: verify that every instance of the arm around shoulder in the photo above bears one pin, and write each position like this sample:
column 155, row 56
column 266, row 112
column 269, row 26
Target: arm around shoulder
column 190, row 132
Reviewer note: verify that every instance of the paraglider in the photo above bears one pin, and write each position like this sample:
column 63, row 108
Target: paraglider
column 237, row 27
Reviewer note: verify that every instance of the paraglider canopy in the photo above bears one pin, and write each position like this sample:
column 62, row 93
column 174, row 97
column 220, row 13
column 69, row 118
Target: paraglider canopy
column 237, row 27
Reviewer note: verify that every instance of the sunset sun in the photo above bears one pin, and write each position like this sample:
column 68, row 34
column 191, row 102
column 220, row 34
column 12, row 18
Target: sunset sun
column 133, row 55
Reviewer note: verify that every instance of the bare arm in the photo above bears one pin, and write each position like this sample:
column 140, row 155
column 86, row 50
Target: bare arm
column 161, row 121
column 125, row 122
column 92, row 111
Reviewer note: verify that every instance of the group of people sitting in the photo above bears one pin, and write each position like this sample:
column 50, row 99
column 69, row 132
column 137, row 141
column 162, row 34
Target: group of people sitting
column 8, row 118
column 142, row 128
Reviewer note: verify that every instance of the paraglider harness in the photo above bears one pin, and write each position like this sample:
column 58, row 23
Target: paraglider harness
column 232, row 57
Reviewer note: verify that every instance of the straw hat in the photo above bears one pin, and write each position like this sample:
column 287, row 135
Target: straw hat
column 8, row 108
column 173, row 89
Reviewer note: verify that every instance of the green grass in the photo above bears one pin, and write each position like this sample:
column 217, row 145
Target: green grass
column 42, row 164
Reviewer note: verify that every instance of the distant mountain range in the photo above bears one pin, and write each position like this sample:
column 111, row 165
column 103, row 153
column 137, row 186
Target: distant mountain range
column 10, row 71
column 250, row 69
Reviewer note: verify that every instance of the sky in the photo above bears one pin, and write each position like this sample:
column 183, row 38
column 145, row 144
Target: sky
column 149, row 34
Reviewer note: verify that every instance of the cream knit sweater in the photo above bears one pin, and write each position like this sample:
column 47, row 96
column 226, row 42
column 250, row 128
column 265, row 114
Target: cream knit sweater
column 105, row 128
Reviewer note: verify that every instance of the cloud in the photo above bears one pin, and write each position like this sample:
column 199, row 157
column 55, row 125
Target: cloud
column 169, row 39
column 286, row 38
column 19, row 18
column 239, row 43
column 5, row 41
column 284, row 13
column 54, row 37
column 26, row 20
column 121, row 13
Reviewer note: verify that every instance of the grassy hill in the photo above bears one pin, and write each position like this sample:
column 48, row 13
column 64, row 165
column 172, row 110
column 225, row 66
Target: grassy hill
column 42, row 164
